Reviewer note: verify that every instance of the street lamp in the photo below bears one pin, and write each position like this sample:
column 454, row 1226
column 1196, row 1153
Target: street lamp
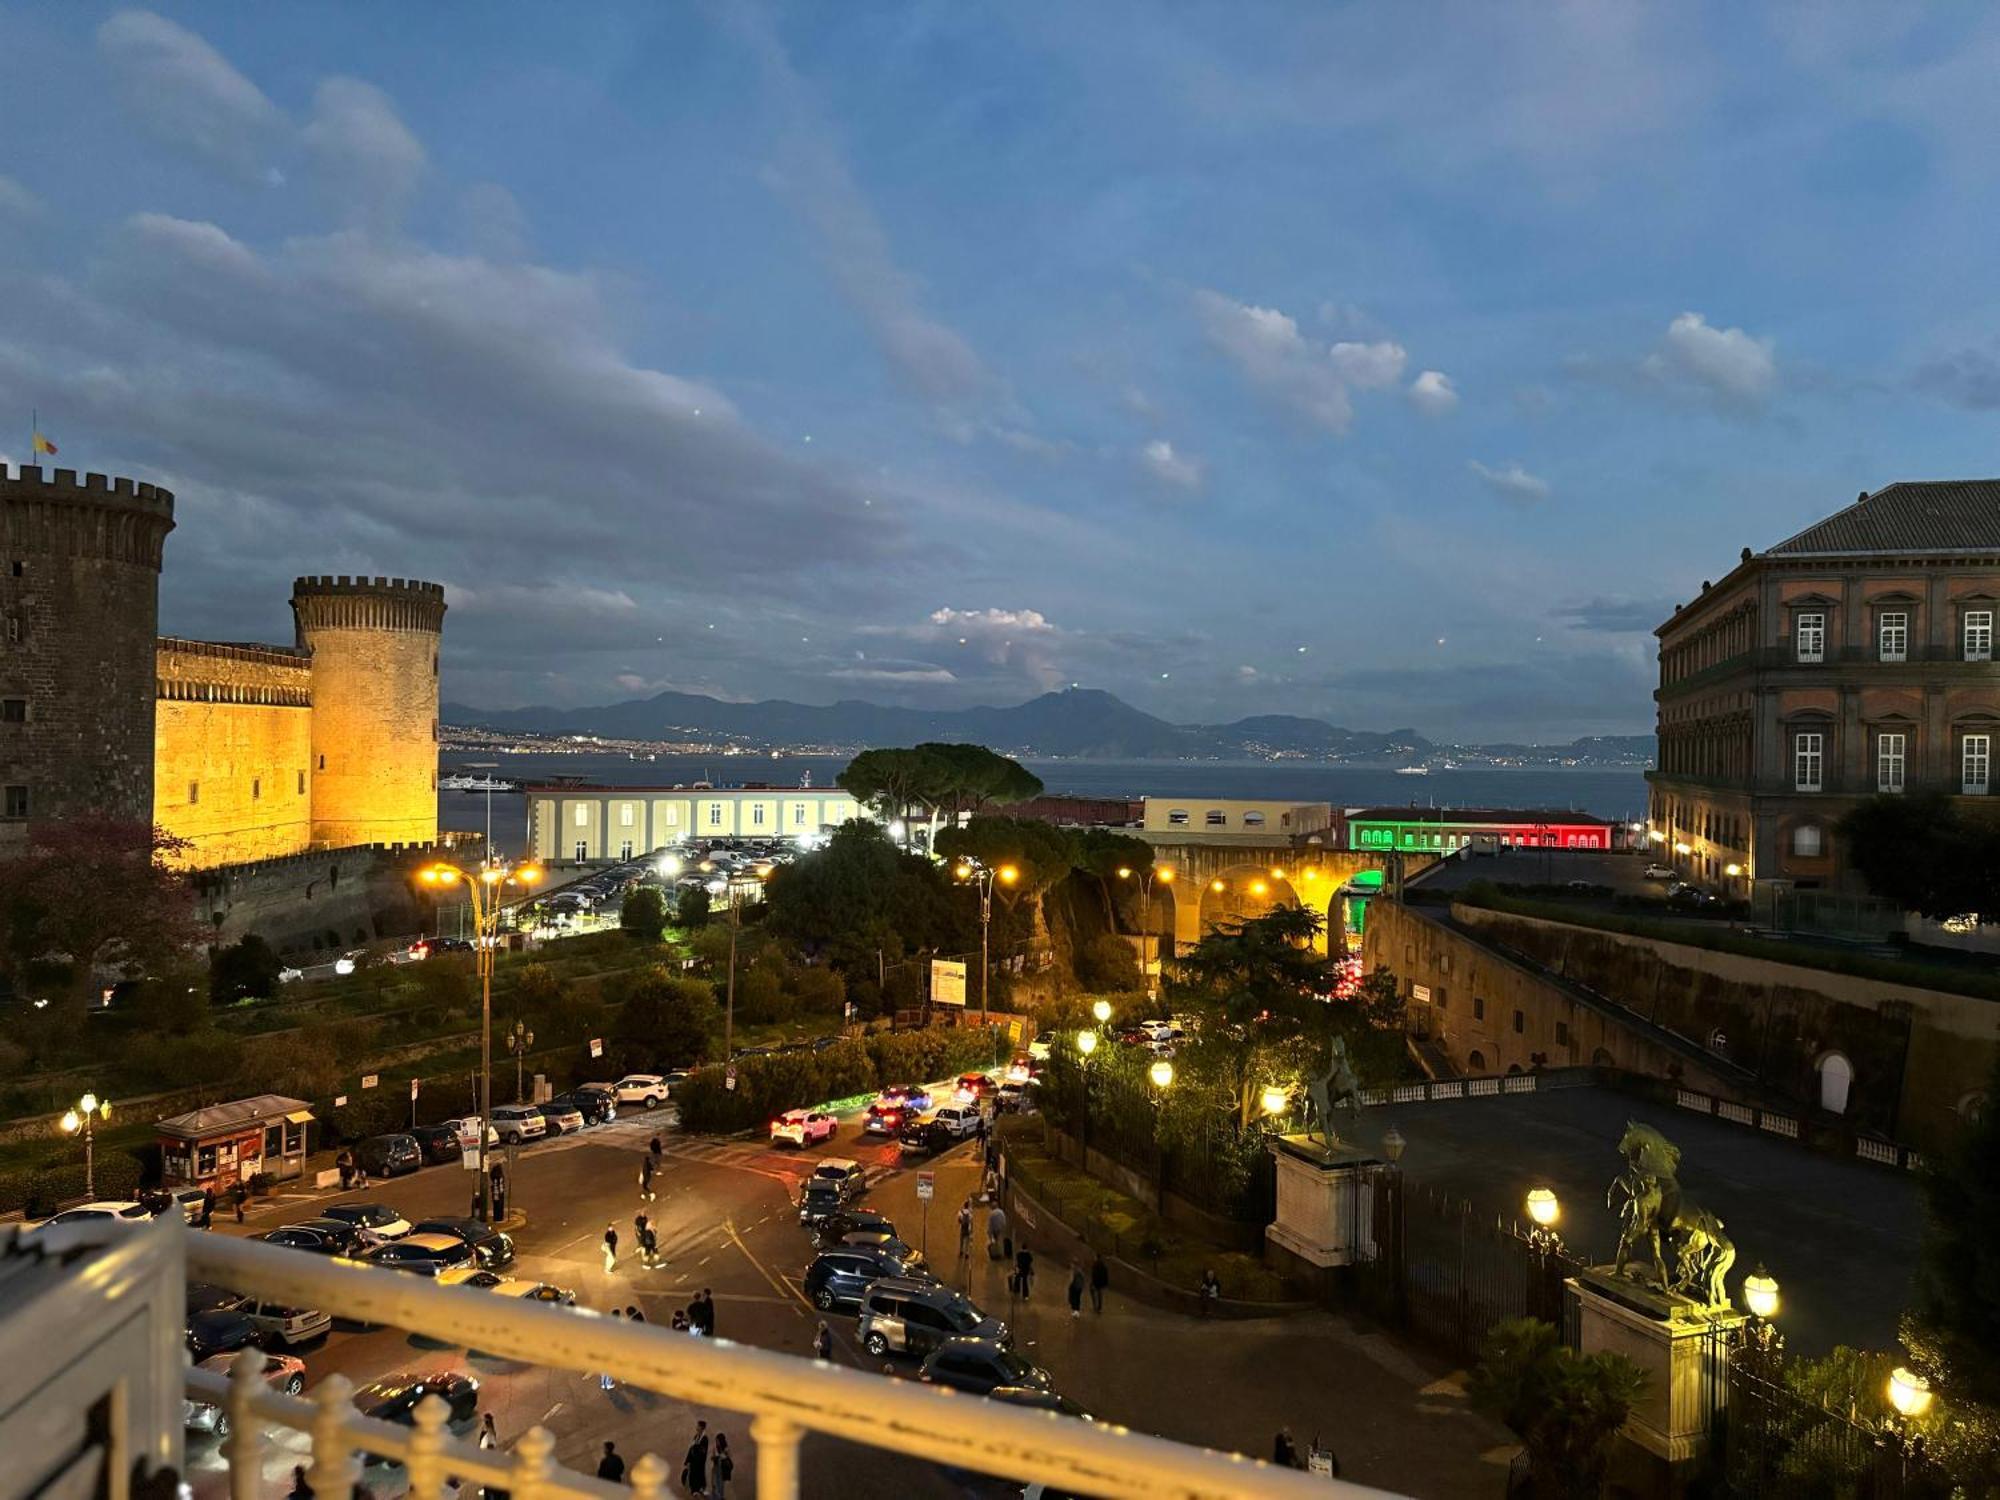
column 1162, row 1073
column 735, row 893
column 519, row 1040
column 486, row 885
column 1102, row 1010
column 1909, row 1393
column 1544, row 1209
column 89, row 1109
column 1275, row 1098
column 1164, row 874
column 1732, row 869
column 981, row 878
column 1761, row 1339
column 1086, row 1042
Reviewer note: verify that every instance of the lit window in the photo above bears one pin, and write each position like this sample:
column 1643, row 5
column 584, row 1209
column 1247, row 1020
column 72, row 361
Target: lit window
column 1892, row 635
column 673, row 816
column 1806, row 840
column 582, row 816
column 1975, row 763
column 1889, row 761
column 1808, row 760
column 1809, row 632
column 1979, row 635
column 625, row 815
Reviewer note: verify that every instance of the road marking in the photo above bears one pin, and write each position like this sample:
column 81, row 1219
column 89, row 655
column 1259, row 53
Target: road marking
column 778, row 1283
column 547, row 1415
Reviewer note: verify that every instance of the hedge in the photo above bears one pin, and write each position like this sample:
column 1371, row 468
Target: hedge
column 40, row 1191
column 768, row 1086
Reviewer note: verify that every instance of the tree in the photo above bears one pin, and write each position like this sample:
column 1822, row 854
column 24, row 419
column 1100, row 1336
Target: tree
column 1922, row 853
column 1564, row 1406
column 887, row 780
column 669, row 1016
column 1102, row 853
column 952, row 780
column 245, row 968
column 860, row 897
column 691, row 908
column 97, row 894
column 1956, row 1312
column 644, row 914
column 1107, row 963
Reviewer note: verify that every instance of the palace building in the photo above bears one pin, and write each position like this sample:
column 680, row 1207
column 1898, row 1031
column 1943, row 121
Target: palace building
column 1853, row 659
column 582, row 824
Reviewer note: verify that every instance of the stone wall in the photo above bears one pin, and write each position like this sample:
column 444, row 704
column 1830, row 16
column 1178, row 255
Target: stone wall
column 233, row 751
column 315, row 905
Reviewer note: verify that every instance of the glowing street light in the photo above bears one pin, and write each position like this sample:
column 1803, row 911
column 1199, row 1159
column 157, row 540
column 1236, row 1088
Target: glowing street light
column 1258, row 888
column 1275, row 1098
column 1909, row 1393
column 1217, row 886
column 89, row 1109
column 1164, row 875
column 1544, row 1209
column 1760, row 1294
column 1086, row 1042
column 670, row 866
column 1102, row 1010
column 981, row 878
column 1683, row 849
column 1162, row 1073
column 1732, row 870
column 1277, row 872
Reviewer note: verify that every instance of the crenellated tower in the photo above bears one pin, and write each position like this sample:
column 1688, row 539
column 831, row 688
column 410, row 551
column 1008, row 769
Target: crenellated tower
column 79, row 610
column 374, row 645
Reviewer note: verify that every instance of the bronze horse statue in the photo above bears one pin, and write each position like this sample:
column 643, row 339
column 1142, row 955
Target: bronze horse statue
column 1337, row 1087
column 1658, row 1223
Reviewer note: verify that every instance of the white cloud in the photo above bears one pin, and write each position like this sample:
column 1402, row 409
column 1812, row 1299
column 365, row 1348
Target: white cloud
column 17, row 200
column 1433, row 394
column 366, row 156
column 1160, row 460
column 1013, row 621
column 204, row 245
column 1726, row 365
column 186, row 93
column 1511, row 482
column 896, row 675
column 1369, row 367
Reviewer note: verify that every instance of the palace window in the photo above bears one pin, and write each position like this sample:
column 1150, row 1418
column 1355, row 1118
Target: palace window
column 13, row 710
column 194, row 793
column 1178, row 817
column 671, row 816
column 1975, row 764
column 582, row 851
column 715, row 815
column 1806, row 841
column 302, row 782
column 1808, row 760
column 757, row 815
column 799, row 815
column 582, row 818
column 1478, row 1008
column 1809, row 634
column 1892, row 635
column 1215, row 817
column 625, row 815
column 1253, row 820
column 1889, row 761
column 15, row 803
column 1979, row 635
column 256, row 788
column 625, row 849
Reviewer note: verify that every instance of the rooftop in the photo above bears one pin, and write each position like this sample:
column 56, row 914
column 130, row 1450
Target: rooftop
column 1935, row 515
column 1524, row 817
column 238, row 1112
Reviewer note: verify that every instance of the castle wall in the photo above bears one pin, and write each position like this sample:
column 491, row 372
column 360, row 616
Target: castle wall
column 79, row 609
column 233, row 751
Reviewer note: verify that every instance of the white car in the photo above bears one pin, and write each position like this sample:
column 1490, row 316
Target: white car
column 506, row 1286
column 120, row 1208
column 1038, row 1049
column 1660, row 872
column 960, row 1120
column 286, row 1324
column 648, row 1089
column 290, row 975
column 802, row 1127
column 516, row 1124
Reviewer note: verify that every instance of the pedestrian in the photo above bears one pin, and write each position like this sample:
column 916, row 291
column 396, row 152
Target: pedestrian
column 1100, row 1278
column 965, row 1229
column 991, row 1187
column 207, row 1206
column 1284, row 1453
column 344, row 1164
column 822, row 1341
column 639, row 1229
column 646, row 1179
column 721, row 1467
column 654, row 1151
column 706, row 1302
column 996, row 1229
column 694, row 1468
column 237, row 1196
column 610, row 1248
column 649, row 1246
column 680, row 1323
column 1076, row 1291
column 1211, row 1291
column 1024, row 1270
column 300, row 1490
column 611, row 1466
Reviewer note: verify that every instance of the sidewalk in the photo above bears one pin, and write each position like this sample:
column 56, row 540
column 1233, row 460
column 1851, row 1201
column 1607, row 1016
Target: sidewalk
column 1397, row 1419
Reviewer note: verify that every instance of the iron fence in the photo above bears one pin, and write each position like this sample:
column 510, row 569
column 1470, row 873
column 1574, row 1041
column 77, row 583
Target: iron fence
column 1776, row 1444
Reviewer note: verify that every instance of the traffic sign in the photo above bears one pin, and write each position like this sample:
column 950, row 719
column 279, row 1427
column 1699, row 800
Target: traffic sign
column 369, row 1080
column 729, row 1076
column 413, row 1090
column 597, row 1046
column 926, row 1186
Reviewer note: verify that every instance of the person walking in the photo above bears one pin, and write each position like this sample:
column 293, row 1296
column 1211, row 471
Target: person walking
column 996, row 1231
column 655, row 1154
column 1076, row 1291
column 705, row 1311
column 721, row 1468
column 610, row 1248
column 823, row 1341
column 639, row 1229
column 965, row 1230
column 344, row 1164
column 649, row 1246
column 694, row 1467
column 489, row 1436
column 1284, row 1452
column 646, row 1178
column 1100, row 1278
column 1211, row 1291
column 238, row 1195
column 1024, row 1271
column 611, row 1466
column 207, row 1206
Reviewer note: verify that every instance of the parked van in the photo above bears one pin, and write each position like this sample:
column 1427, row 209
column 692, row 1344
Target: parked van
column 901, row 1315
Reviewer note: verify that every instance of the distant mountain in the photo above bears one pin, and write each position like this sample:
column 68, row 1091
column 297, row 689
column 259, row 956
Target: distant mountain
column 1079, row 722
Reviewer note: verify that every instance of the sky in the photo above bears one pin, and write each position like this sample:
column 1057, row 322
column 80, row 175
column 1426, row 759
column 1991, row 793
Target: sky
column 1389, row 364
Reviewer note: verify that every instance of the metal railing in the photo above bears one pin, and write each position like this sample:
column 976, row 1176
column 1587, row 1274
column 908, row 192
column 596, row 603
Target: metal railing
column 784, row 1396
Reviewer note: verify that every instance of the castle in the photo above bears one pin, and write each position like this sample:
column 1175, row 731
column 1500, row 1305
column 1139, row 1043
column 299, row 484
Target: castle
column 248, row 752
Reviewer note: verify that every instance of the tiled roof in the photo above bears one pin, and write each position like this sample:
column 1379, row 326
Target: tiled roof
column 1942, row 515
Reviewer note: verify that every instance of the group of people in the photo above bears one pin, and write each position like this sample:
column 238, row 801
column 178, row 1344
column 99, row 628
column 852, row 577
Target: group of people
column 706, row 1469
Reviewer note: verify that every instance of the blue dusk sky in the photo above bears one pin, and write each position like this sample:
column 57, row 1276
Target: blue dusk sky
column 1389, row 363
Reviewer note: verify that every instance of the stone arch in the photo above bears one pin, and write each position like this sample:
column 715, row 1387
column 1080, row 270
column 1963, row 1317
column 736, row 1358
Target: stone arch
column 1475, row 1061
column 1602, row 1058
column 1836, row 1080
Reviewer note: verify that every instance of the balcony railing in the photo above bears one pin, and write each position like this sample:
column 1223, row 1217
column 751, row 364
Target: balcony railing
column 785, row 1398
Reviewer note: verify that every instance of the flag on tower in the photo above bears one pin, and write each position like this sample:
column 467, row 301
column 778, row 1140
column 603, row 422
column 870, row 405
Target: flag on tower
column 43, row 445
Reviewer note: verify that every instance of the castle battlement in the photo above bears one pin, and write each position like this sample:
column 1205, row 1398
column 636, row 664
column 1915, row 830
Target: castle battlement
column 32, row 482
column 327, row 583
column 326, row 602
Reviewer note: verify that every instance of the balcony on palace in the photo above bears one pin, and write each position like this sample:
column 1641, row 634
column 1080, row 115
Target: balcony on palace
column 94, row 1381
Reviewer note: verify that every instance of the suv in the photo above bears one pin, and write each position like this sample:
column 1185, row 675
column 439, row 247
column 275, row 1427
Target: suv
column 646, row 1089
column 426, row 1254
column 958, row 1120
column 516, row 1124
column 493, row 1249
column 374, row 1219
column 321, row 1237
column 976, row 1366
column 563, row 1119
column 802, row 1127
column 838, row 1277
column 389, row 1155
column 903, row 1315
column 596, row 1105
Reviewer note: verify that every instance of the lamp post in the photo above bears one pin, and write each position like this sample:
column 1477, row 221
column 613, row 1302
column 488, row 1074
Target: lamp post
column 1761, row 1340
column 1164, row 874
column 1162, row 1075
column 981, row 878
column 519, row 1040
column 83, row 1118
column 486, row 886
column 729, row 998
column 1544, row 1210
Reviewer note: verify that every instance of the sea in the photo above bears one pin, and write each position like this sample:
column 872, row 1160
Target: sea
column 1617, row 794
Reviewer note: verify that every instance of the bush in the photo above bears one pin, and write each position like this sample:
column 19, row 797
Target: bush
column 1107, row 962
column 768, row 1086
column 760, row 998
column 243, row 969
column 820, row 991
column 691, row 909
column 665, row 1020
column 643, row 914
column 42, row 1190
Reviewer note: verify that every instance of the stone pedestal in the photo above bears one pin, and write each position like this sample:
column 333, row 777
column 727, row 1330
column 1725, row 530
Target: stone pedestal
column 1681, row 1345
column 1326, row 1204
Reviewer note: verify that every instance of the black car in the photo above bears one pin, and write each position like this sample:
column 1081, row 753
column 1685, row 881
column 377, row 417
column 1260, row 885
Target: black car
column 320, row 1236
column 837, row 1277
column 493, row 1249
column 830, row 1231
column 450, row 945
column 395, row 1399
column 425, row 1254
column 594, row 1105
column 219, row 1331
column 978, row 1366
column 924, row 1137
column 202, row 1297
column 389, row 1155
column 438, row 1143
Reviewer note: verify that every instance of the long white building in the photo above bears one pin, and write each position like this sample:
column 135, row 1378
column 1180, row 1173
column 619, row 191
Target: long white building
column 593, row 824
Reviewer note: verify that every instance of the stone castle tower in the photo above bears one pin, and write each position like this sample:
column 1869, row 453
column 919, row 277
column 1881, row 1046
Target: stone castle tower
column 79, row 613
column 374, row 649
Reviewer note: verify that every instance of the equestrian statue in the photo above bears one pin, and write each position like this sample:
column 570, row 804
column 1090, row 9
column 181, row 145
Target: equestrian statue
column 1337, row 1088
column 1665, row 1239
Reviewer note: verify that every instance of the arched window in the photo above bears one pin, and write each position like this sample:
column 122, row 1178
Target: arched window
column 1476, row 1061
column 1972, row 1106
column 1836, row 1075
column 1602, row 1059
column 1178, row 817
column 1253, row 820
column 1807, row 841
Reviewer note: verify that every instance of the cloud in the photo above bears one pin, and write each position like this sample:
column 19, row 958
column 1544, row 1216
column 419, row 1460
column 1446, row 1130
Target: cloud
column 196, row 244
column 1369, row 367
column 1969, row 378
column 17, row 200
column 1160, row 460
column 1305, row 376
column 1511, row 482
column 896, row 674
column 1724, row 365
column 366, row 157
column 186, row 93
column 1433, row 394
column 1614, row 616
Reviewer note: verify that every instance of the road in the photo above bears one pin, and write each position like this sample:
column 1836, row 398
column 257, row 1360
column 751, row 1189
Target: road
column 726, row 1222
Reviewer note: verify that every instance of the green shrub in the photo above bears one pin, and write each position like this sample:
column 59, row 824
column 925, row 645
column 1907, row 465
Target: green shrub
column 768, row 1086
column 42, row 1190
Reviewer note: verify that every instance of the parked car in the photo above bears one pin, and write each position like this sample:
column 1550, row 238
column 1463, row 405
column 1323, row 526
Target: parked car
column 395, row 1399
column 1661, row 872
column 562, row 1119
column 1042, row 1045
column 517, row 1124
column 184, row 1201
column 596, row 1106
column 972, row 1087
column 118, row 1208
column 389, row 1155
column 647, row 1090
column 961, row 1120
column 903, row 1315
column 281, row 1323
column 1015, row 1098
column 491, row 1248
column 377, row 1219
column 219, row 1331
column 979, row 1365
column 835, row 1227
column 438, row 1143
column 204, row 1297
column 803, row 1127
column 425, row 1254
column 282, row 1372
column 506, row 1286
column 924, row 1136
column 1040, row 1400
column 321, row 1237
column 838, row 1277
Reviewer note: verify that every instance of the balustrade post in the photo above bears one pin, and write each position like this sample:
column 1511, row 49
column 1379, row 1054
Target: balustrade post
column 649, row 1478
column 334, row 1469
column 534, row 1461
column 244, row 1446
column 425, row 1460
column 777, row 1441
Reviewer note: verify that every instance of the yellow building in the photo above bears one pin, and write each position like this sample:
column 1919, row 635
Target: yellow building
column 1236, row 818
column 266, row 751
column 588, row 824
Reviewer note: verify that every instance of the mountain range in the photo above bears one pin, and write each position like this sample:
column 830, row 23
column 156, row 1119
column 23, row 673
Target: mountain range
column 1076, row 722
